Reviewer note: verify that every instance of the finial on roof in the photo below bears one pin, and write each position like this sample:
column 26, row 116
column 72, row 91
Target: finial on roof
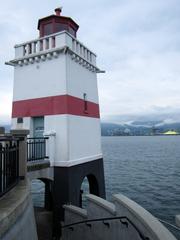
column 58, row 11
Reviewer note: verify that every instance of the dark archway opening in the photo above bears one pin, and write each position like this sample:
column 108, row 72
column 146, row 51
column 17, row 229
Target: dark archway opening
column 41, row 190
column 42, row 200
column 89, row 185
column 85, row 189
column 38, row 191
column 93, row 184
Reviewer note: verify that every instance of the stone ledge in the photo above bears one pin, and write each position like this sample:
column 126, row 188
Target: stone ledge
column 37, row 165
column 12, row 205
column 47, row 173
column 145, row 221
column 79, row 211
column 108, row 206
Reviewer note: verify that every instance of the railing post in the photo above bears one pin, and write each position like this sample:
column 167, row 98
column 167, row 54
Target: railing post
column 50, row 150
column 22, row 135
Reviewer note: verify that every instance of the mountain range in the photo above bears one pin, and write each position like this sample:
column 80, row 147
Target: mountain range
column 153, row 123
column 136, row 128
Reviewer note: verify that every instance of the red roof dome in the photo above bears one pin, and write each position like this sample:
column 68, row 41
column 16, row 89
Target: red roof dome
column 57, row 23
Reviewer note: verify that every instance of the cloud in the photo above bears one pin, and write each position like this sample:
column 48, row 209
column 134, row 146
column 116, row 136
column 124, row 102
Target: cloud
column 157, row 116
column 5, row 111
column 137, row 43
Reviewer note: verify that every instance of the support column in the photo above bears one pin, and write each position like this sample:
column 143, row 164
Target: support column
column 22, row 135
column 48, row 196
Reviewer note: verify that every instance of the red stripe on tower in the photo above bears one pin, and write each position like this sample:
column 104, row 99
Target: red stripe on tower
column 54, row 105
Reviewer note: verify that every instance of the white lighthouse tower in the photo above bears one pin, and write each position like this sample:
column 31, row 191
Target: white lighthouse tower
column 55, row 94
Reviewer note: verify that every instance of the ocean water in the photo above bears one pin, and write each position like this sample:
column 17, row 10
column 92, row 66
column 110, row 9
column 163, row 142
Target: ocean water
column 145, row 169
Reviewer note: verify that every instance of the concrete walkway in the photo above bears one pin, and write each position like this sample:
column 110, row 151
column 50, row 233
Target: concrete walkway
column 44, row 223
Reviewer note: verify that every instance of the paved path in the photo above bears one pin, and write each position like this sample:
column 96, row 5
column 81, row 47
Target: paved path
column 44, row 223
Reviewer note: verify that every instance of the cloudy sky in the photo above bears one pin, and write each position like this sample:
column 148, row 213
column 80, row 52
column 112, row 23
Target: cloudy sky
column 137, row 43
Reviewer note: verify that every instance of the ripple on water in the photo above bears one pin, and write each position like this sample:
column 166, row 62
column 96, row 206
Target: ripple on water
column 146, row 169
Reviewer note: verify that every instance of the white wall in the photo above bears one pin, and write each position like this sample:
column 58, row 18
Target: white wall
column 41, row 79
column 72, row 139
column 84, row 138
column 80, row 80
column 58, row 125
column 77, row 139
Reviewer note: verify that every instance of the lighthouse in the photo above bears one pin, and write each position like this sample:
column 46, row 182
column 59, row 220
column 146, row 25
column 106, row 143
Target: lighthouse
column 55, row 94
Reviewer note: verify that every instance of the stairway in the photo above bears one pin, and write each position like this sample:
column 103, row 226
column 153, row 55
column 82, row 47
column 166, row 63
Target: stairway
column 102, row 220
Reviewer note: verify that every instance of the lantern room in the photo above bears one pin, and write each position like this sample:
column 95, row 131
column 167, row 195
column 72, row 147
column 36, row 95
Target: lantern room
column 57, row 23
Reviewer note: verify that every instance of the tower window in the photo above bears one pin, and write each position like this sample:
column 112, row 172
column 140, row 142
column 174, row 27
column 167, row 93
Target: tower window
column 61, row 27
column 72, row 32
column 48, row 29
column 85, row 103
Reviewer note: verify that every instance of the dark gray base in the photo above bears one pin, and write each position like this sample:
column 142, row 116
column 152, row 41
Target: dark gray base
column 68, row 181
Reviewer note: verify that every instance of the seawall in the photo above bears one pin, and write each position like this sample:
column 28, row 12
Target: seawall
column 17, row 220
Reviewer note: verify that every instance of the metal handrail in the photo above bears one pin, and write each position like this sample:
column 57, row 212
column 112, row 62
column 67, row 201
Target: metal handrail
column 9, row 164
column 169, row 224
column 36, row 148
column 88, row 221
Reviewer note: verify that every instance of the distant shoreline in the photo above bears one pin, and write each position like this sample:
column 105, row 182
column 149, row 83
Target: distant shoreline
column 170, row 135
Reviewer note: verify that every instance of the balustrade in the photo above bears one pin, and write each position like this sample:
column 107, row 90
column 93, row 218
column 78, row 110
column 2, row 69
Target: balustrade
column 58, row 40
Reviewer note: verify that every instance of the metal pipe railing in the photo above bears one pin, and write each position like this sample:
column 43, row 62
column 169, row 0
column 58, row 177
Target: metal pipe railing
column 123, row 220
column 9, row 163
column 36, row 149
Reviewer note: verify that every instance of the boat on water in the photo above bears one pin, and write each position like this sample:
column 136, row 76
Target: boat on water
column 171, row 133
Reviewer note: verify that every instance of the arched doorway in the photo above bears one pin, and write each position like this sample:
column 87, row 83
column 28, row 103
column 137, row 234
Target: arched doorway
column 93, row 184
column 89, row 185
column 41, row 190
column 38, row 191
column 42, row 200
column 85, row 189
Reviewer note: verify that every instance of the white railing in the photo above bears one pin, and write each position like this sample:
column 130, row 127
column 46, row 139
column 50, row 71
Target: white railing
column 39, row 45
column 81, row 50
column 52, row 42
